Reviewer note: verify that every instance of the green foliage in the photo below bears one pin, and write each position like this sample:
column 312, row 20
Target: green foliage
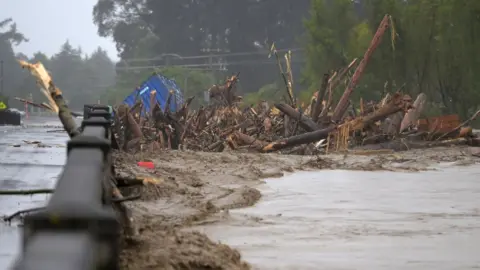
column 431, row 48
column 192, row 82
column 187, row 28
column 271, row 92
column 4, row 99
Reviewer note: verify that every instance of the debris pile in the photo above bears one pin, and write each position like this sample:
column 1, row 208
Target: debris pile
column 393, row 123
column 390, row 124
column 324, row 125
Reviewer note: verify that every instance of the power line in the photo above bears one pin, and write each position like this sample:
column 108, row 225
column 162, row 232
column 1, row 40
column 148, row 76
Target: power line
column 204, row 56
column 254, row 62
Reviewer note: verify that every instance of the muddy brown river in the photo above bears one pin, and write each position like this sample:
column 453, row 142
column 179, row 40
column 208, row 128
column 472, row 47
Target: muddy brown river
column 361, row 220
column 329, row 219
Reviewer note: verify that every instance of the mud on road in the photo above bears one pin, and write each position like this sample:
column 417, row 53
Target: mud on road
column 199, row 188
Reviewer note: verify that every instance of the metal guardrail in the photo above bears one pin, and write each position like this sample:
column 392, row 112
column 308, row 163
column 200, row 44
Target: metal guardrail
column 78, row 230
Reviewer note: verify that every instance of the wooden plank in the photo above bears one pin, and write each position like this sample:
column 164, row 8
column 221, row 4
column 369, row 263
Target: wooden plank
column 444, row 123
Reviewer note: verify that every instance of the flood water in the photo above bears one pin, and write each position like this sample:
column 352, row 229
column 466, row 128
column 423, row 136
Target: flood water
column 310, row 220
column 361, row 220
column 27, row 166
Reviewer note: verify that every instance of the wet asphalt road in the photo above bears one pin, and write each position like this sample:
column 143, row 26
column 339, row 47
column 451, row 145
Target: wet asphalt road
column 27, row 167
column 361, row 220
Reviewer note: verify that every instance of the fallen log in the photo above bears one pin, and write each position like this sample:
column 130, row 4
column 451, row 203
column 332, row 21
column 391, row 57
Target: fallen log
column 249, row 140
column 242, row 125
column 305, row 138
column 305, row 122
column 397, row 103
column 26, row 192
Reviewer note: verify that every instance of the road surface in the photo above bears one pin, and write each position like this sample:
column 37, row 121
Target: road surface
column 24, row 165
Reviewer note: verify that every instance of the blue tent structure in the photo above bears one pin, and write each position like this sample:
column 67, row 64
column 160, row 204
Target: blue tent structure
column 162, row 86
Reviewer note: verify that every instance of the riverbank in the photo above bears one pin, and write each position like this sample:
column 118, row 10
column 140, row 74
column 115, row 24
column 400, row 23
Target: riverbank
column 199, row 188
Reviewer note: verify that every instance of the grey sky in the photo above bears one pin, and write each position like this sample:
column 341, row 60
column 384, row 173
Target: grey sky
column 49, row 23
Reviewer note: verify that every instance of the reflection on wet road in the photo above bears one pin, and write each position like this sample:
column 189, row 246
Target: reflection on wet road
column 361, row 220
column 27, row 166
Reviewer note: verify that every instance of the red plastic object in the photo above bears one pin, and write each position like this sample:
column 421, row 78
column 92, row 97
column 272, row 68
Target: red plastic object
column 146, row 164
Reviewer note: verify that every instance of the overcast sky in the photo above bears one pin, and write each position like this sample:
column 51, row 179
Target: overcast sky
column 49, row 23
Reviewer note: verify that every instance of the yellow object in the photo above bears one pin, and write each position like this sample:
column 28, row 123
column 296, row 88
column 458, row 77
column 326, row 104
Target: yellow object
column 150, row 180
column 2, row 106
column 275, row 111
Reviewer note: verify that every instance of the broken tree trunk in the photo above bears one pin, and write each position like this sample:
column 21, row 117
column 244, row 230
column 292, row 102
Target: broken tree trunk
column 391, row 125
column 305, row 122
column 342, row 105
column 397, row 103
column 153, row 99
column 249, row 140
column 43, row 80
column 320, row 96
column 304, row 138
column 134, row 126
column 334, row 83
column 414, row 113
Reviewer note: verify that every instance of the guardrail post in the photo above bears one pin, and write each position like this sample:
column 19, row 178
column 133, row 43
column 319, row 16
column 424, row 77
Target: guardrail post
column 78, row 218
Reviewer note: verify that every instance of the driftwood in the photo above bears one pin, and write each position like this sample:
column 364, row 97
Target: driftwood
column 226, row 124
column 225, row 93
column 343, row 103
column 305, row 122
column 26, row 192
column 391, row 125
column 397, row 103
column 336, row 81
column 414, row 113
column 22, row 212
column 305, row 138
column 317, row 109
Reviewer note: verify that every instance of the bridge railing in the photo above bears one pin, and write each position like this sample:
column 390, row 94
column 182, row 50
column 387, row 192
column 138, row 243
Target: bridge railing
column 78, row 229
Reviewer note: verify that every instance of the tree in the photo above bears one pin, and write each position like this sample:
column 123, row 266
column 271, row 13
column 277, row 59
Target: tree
column 187, row 28
column 12, row 76
column 99, row 73
column 431, row 48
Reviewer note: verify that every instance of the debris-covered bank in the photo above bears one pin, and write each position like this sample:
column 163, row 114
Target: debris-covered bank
column 207, row 161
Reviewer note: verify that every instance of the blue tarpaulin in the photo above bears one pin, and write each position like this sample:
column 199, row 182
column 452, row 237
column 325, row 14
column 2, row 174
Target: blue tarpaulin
column 162, row 86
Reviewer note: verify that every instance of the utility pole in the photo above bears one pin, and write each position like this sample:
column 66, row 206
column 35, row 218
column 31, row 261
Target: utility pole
column 1, row 77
